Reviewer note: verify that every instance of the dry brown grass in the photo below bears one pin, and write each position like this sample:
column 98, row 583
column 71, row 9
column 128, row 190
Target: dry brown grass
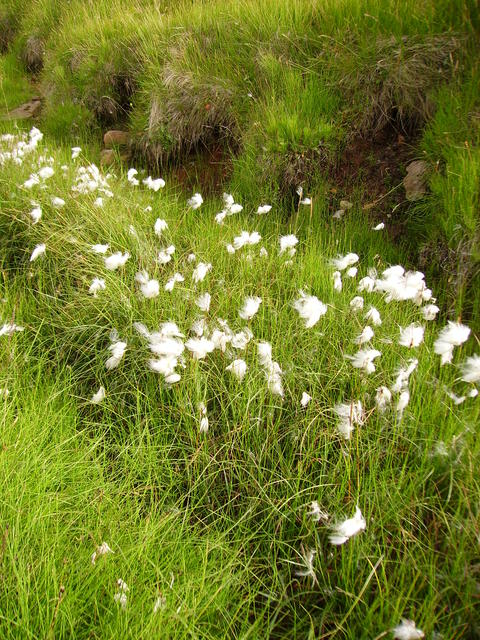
column 7, row 32
column 33, row 54
column 189, row 113
column 395, row 78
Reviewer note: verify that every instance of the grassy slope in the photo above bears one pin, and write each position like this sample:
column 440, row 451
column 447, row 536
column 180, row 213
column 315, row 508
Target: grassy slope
column 226, row 513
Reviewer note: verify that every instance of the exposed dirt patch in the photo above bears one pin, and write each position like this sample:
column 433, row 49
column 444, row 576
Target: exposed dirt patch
column 208, row 170
column 377, row 166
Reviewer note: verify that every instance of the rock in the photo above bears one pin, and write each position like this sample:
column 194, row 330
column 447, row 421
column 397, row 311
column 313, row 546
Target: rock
column 415, row 182
column 116, row 138
column 29, row 109
column 110, row 156
column 107, row 157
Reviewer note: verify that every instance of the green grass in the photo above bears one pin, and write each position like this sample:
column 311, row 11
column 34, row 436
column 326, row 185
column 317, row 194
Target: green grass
column 15, row 87
column 225, row 512
column 217, row 523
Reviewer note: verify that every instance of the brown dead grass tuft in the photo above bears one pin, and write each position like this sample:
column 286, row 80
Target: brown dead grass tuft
column 33, row 54
column 8, row 30
column 394, row 79
column 189, row 113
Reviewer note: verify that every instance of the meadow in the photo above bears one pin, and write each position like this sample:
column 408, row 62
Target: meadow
column 239, row 401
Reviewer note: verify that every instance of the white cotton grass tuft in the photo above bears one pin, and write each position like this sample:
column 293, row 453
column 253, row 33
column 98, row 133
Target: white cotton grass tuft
column 240, row 339
column 429, row 311
column 154, row 184
column 117, row 349
column 160, row 226
column 250, row 307
column 288, row 244
column 167, row 346
column 36, row 214
column 159, row 604
column 356, row 303
column 149, row 288
column 305, row 399
column 471, row 369
column 403, row 374
column 351, row 272
column 456, row 399
column 196, row 201
column 373, row 316
column 99, row 396
column 200, row 347
column 120, row 596
column 366, row 284
column 101, row 550
column 264, row 351
column 345, row 530
column 98, row 284
column 402, row 402
column 199, row 327
column 245, row 238
column 230, row 208
column 399, row 284
column 116, row 260
column 100, row 248
column 337, row 281
column 165, row 255
column 57, row 203
column 201, row 271
column 264, row 208
column 171, row 282
column 310, row 309
column 451, row 336
column 379, row 226
column 203, row 302
column 343, row 262
column 38, row 251
column 316, row 513
column 272, row 370
column 407, row 630
column 307, row 570
column 131, row 173
column 203, row 428
column 349, row 415
column 383, row 398
column 45, row 173
column 238, row 368
column 9, row 328
column 76, row 152
column 32, row 181
column 303, row 200
column 411, row 336
column 364, row 359
column 365, row 336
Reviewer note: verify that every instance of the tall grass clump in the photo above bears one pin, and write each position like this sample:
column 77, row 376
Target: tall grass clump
column 446, row 221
